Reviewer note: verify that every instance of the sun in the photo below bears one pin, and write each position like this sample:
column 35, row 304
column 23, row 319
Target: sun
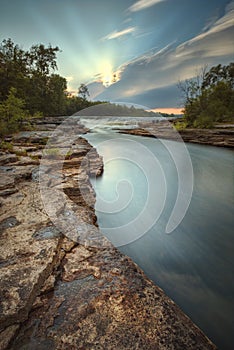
column 107, row 75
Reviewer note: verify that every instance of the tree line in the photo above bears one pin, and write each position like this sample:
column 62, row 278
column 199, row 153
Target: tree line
column 30, row 86
column 118, row 110
column 209, row 97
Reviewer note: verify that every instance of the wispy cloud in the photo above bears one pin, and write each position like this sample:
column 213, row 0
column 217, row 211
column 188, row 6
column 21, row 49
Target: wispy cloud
column 115, row 34
column 223, row 23
column 142, row 4
column 213, row 41
column 151, row 79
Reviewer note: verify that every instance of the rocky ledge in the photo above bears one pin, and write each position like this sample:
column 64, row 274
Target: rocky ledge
column 219, row 136
column 58, row 292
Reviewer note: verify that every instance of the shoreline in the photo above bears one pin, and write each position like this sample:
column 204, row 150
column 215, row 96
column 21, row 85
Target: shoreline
column 218, row 137
column 63, row 293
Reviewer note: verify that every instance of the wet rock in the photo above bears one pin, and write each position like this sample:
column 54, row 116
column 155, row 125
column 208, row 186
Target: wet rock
column 35, row 174
column 8, row 222
column 46, row 233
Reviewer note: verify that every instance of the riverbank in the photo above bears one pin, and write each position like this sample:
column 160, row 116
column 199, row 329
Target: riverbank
column 220, row 136
column 58, row 292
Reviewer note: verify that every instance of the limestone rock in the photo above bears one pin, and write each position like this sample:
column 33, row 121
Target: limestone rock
column 217, row 136
column 8, row 158
column 106, row 302
column 7, row 335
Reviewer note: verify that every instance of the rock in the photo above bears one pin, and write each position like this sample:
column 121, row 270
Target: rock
column 7, row 335
column 24, row 149
column 8, row 192
column 164, row 130
column 25, row 261
column 11, row 221
column 46, row 233
column 49, row 284
column 27, row 161
column 6, row 181
column 8, row 158
column 106, row 302
column 30, row 248
column 11, row 174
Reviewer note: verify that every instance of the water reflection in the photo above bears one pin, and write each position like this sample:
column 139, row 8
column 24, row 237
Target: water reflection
column 194, row 264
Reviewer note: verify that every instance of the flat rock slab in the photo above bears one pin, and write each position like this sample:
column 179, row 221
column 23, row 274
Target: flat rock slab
column 104, row 301
column 214, row 137
column 8, row 158
column 32, row 136
column 27, row 257
column 6, row 181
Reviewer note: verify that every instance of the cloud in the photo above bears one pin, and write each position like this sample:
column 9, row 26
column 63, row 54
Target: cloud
column 142, row 4
column 95, row 89
column 151, row 79
column 217, row 41
column 115, row 34
column 225, row 22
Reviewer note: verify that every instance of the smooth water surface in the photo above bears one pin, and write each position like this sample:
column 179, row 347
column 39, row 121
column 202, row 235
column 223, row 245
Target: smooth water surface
column 193, row 264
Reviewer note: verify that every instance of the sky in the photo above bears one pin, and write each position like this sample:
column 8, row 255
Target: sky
column 133, row 51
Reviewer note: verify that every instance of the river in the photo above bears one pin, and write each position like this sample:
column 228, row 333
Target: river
column 194, row 263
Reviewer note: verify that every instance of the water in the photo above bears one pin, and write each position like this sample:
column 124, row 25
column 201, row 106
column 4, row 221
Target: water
column 193, row 264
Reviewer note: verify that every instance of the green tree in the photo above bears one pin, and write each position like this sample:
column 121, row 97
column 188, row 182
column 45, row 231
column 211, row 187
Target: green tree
column 13, row 68
column 55, row 95
column 210, row 98
column 31, row 74
column 217, row 74
column 12, row 113
column 27, row 71
column 42, row 59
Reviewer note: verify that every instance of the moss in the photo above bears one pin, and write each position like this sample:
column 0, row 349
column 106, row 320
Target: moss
column 180, row 125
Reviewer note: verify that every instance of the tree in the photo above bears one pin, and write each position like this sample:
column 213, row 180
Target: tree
column 27, row 71
column 13, row 68
column 31, row 74
column 12, row 113
column 55, row 95
column 42, row 59
column 83, row 91
column 217, row 74
column 209, row 97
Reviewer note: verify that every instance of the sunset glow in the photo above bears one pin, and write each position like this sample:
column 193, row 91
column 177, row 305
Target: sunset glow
column 168, row 110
